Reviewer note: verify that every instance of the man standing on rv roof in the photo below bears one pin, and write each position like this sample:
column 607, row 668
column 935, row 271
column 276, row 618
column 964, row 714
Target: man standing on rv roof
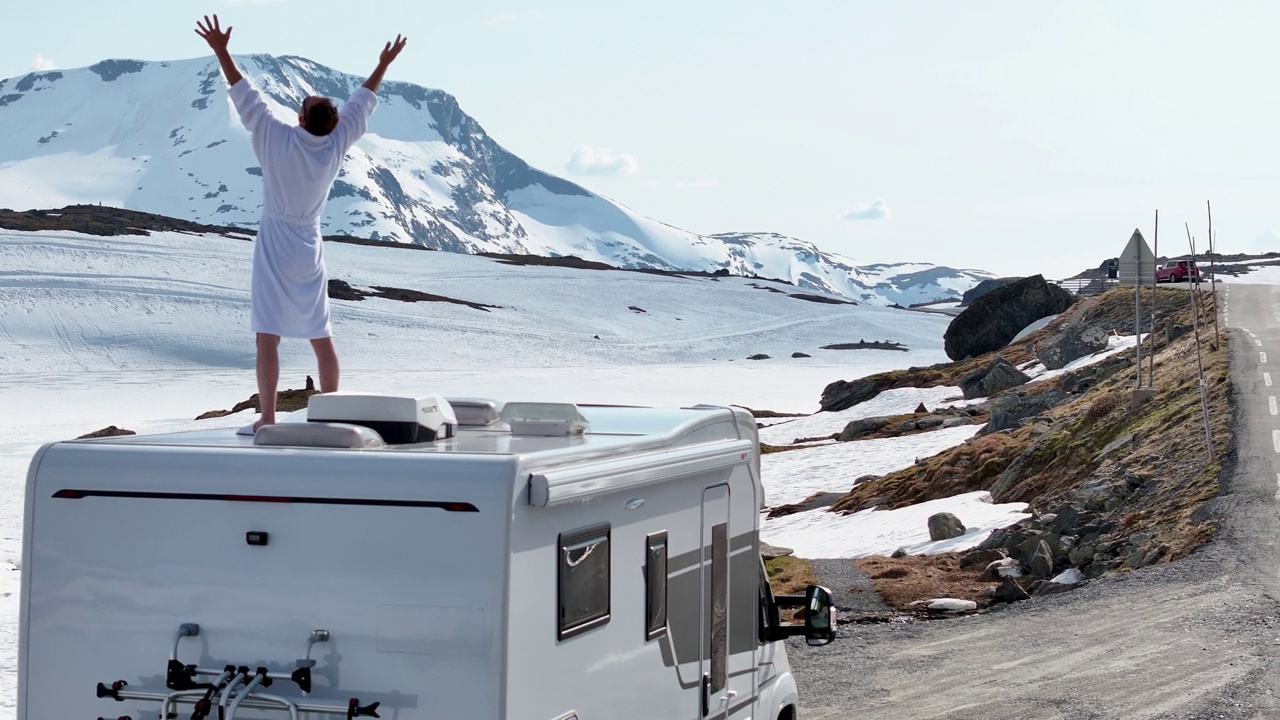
column 299, row 164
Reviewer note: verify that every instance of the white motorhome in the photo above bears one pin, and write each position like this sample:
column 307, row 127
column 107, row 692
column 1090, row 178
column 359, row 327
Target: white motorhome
column 409, row 558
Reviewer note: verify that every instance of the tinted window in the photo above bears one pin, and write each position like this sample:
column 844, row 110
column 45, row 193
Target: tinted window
column 583, row 579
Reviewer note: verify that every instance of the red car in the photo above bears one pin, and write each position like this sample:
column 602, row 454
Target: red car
column 1178, row 271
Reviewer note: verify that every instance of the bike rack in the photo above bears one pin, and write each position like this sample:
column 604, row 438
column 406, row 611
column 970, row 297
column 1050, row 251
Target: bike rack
column 233, row 687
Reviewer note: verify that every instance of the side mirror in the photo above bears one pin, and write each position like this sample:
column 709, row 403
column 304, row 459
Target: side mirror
column 819, row 616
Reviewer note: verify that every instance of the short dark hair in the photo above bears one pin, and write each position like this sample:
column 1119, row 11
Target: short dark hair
column 321, row 117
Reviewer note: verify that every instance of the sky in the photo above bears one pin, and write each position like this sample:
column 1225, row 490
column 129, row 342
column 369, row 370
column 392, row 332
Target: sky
column 1008, row 136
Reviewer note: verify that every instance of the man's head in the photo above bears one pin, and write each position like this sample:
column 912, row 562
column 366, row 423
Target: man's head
column 318, row 115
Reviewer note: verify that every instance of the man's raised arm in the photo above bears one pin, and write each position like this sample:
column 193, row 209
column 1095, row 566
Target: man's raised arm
column 218, row 40
column 389, row 53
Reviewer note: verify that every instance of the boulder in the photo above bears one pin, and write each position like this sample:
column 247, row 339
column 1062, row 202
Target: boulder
column 899, row 553
column 981, row 557
column 842, row 395
column 1009, row 591
column 957, row 421
column 996, row 376
column 994, row 319
column 758, row 356
column 860, row 427
column 1011, row 410
column 800, row 355
column 985, row 287
column 921, row 409
column 1040, row 559
column 1061, row 349
column 944, row 526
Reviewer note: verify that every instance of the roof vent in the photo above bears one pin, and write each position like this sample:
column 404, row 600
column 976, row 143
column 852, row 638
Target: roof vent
column 544, row 419
column 399, row 420
column 318, row 434
column 475, row 412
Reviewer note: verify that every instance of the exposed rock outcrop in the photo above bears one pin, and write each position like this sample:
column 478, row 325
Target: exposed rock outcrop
column 1061, row 349
column 997, row 376
column 994, row 319
column 985, row 287
column 945, row 526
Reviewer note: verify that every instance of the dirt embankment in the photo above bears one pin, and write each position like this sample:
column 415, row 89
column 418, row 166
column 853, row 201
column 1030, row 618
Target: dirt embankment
column 1112, row 486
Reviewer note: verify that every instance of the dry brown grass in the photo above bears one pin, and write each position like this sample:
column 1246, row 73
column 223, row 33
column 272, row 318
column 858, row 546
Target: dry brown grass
column 789, row 575
column 902, row 581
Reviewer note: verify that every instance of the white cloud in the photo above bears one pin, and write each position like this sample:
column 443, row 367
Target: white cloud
column 587, row 160
column 874, row 210
column 40, row 63
column 690, row 184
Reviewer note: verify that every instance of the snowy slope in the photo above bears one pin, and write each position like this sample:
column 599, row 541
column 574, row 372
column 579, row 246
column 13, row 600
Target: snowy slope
column 162, row 137
column 78, row 302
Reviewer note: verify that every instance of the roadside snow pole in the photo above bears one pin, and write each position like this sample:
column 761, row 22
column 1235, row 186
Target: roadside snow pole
column 1151, row 331
column 1213, row 288
column 1137, row 306
column 1195, row 319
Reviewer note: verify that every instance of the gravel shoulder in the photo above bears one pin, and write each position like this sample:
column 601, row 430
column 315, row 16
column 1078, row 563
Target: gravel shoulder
column 1192, row 639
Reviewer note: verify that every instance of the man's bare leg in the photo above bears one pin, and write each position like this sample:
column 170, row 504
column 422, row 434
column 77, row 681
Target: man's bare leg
column 268, row 377
column 327, row 359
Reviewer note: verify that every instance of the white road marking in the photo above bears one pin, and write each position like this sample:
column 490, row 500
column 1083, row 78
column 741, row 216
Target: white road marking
column 1271, row 401
column 1275, row 439
column 1262, row 357
column 1258, row 343
column 1266, row 378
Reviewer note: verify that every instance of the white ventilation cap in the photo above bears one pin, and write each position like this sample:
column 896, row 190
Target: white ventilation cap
column 327, row 435
column 544, row 419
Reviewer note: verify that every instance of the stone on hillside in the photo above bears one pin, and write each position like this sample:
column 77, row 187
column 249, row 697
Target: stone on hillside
column 768, row 552
column 994, row 319
column 996, row 376
column 981, row 557
column 1009, row 411
column 108, row 431
column 1063, row 348
column 800, row 355
column 860, row 427
column 957, row 421
column 758, row 356
column 1009, row 591
column 1070, row 576
column 921, row 409
column 944, row 526
column 1040, row 561
column 899, row 553
column 1117, row 444
column 842, row 395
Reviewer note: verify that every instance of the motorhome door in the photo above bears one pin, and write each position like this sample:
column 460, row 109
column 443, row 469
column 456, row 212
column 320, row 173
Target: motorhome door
column 722, row 698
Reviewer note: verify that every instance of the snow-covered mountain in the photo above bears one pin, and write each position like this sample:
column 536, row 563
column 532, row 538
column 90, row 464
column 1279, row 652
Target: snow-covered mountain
column 162, row 137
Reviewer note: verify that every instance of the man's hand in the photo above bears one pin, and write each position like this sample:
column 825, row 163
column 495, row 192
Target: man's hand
column 213, row 34
column 389, row 53
column 217, row 39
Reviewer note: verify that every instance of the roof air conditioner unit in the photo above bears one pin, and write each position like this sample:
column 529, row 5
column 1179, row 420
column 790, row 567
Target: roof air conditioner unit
column 399, row 420
column 546, row 419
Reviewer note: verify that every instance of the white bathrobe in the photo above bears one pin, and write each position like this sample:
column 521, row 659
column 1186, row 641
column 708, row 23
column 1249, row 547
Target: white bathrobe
column 290, row 286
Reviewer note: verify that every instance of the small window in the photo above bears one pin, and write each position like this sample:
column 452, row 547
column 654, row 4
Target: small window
column 583, row 580
column 655, row 580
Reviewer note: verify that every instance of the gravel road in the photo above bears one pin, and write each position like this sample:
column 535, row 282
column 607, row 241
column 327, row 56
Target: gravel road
column 1192, row 639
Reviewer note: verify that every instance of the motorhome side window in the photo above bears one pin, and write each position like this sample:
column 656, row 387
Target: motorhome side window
column 583, row 580
column 655, row 582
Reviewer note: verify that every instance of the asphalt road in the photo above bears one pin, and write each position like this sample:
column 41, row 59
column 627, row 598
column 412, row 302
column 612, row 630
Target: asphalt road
column 1198, row 638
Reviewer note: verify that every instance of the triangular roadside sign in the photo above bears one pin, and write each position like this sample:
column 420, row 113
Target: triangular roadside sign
column 1137, row 262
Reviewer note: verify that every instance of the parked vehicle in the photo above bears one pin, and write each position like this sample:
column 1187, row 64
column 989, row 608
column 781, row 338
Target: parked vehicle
column 414, row 558
column 1178, row 271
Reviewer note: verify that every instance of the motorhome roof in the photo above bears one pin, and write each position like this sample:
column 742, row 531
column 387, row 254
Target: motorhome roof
column 610, row 426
